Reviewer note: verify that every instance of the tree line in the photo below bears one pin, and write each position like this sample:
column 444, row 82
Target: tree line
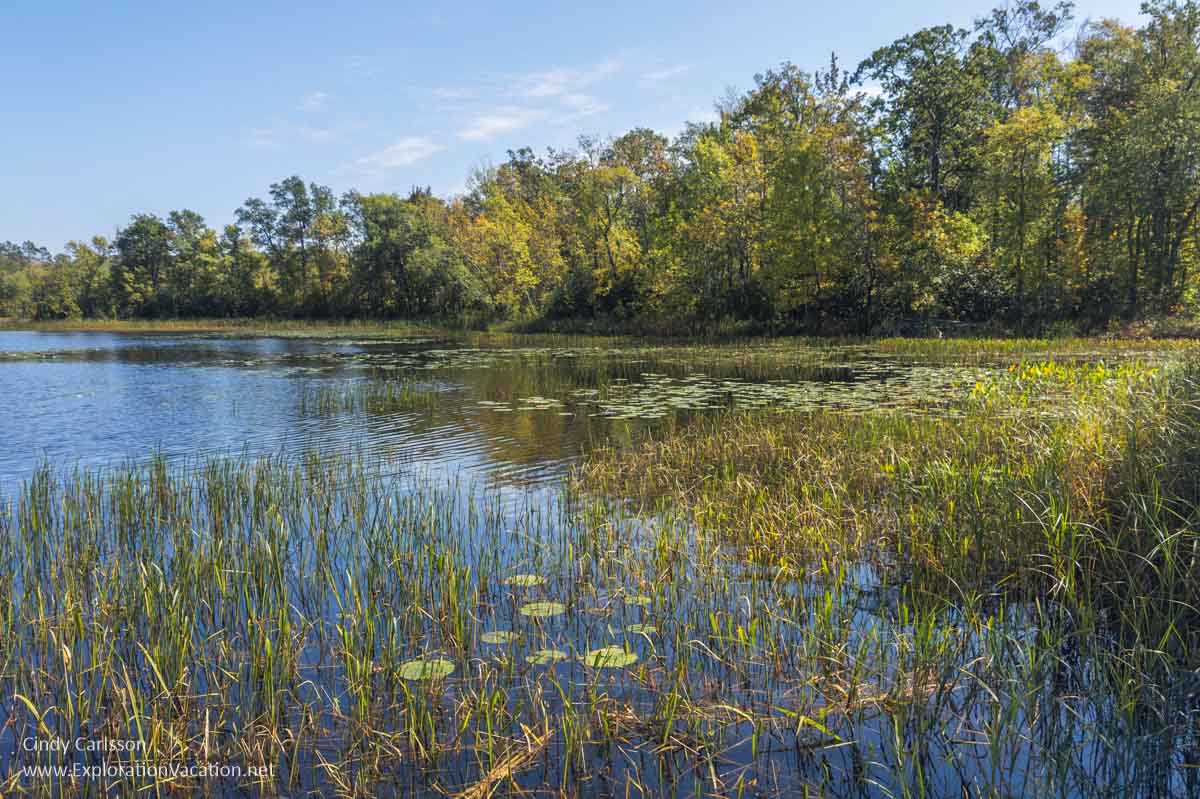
column 1022, row 172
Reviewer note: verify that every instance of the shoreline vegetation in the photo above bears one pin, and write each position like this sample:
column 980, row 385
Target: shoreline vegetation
column 1026, row 175
column 258, row 326
column 1157, row 331
column 996, row 594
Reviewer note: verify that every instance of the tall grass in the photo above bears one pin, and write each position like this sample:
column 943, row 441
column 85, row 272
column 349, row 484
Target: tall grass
column 372, row 397
column 982, row 493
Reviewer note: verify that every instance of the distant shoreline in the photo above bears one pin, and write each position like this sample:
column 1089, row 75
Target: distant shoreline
column 1183, row 332
column 1156, row 329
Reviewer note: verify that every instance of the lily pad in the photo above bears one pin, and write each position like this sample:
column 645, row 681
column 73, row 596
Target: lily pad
column 543, row 610
column 525, row 580
column 643, row 629
column 610, row 657
column 637, row 599
column 426, row 669
column 498, row 637
column 544, row 657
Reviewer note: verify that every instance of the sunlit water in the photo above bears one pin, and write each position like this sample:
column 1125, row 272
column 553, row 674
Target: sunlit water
column 520, row 415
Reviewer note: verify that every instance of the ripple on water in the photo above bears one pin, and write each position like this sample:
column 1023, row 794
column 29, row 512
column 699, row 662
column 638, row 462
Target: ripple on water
column 519, row 415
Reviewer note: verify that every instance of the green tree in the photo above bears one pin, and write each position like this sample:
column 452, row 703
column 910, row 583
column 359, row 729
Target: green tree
column 1140, row 154
column 932, row 107
column 139, row 274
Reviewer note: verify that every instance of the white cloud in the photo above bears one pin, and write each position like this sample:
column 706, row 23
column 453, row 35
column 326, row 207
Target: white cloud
column 556, row 82
column 666, row 73
column 583, row 102
column 545, row 84
column 281, row 132
column 579, row 106
column 502, row 120
column 402, row 152
column 323, row 135
column 313, row 101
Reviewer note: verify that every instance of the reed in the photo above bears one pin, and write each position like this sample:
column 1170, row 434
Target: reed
column 369, row 397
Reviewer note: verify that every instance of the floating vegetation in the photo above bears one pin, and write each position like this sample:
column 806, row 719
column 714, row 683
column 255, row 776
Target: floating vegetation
column 854, row 387
column 543, row 610
column 426, row 669
column 546, row 657
column 521, row 408
column 525, row 580
column 540, row 404
column 610, row 657
column 638, row 599
column 499, row 637
column 642, row 629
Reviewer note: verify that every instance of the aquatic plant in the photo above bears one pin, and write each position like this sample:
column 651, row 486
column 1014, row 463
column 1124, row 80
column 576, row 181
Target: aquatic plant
column 372, row 397
column 610, row 657
column 994, row 600
column 543, row 610
column 426, row 669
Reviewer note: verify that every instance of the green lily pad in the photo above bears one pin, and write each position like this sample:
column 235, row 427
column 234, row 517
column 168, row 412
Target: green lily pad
column 637, row 599
column 644, row 629
column 525, row 580
column 426, row 669
column 498, row 637
column 543, row 610
column 544, row 657
column 609, row 657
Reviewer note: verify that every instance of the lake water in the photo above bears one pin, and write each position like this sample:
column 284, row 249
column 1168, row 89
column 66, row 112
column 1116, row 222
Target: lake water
column 519, row 413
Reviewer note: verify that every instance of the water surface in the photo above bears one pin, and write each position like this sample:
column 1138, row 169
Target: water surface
column 514, row 413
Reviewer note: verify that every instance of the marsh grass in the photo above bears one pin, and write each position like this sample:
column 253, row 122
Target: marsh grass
column 1063, row 497
column 716, row 346
column 992, row 600
column 369, row 397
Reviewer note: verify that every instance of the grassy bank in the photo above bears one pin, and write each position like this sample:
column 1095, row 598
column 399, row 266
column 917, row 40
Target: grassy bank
column 967, row 489
column 764, row 355
column 240, row 327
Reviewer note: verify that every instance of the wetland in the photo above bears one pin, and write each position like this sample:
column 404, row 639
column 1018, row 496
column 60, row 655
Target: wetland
column 475, row 564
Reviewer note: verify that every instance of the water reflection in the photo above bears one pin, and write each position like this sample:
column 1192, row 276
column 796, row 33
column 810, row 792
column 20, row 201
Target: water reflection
column 518, row 414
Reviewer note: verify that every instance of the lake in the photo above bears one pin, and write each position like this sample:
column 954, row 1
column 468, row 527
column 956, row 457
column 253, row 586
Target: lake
column 520, row 414
column 407, row 566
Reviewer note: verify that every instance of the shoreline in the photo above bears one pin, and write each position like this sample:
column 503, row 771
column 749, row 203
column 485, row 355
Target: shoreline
column 1143, row 333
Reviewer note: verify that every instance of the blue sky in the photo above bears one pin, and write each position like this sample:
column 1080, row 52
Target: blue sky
column 111, row 109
